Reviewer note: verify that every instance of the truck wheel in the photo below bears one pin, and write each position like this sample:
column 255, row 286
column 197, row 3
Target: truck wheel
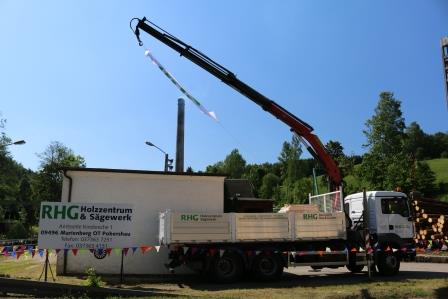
column 388, row 264
column 267, row 267
column 228, row 268
column 355, row 268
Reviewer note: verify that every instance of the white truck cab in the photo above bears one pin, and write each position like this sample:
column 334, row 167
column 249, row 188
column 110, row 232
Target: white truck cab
column 388, row 212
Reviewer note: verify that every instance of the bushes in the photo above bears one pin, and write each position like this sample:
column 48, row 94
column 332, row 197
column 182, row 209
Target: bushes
column 93, row 280
column 17, row 231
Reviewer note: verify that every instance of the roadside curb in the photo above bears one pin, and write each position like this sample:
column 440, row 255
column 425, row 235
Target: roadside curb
column 431, row 259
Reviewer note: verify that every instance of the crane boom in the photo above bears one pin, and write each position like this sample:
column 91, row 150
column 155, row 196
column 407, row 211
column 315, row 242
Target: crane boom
column 298, row 126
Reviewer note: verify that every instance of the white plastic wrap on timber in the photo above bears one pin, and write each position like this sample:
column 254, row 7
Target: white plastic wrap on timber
column 299, row 208
column 262, row 227
column 311, row 226
column 179, row 227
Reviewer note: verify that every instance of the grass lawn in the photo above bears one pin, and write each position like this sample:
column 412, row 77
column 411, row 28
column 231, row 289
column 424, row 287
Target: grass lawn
column 440, row 168
column 290, row 286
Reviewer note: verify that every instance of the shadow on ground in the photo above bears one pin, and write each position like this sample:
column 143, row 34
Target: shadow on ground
column 442, row 293
column 288, row 280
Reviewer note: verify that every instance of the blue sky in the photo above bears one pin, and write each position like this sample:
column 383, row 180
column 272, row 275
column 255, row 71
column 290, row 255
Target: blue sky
column 71, row 71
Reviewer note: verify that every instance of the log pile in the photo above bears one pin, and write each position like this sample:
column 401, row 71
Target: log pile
column 431, row 219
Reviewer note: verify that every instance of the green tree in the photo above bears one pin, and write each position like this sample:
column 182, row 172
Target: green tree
column 385, row 130
column 30, row 206
column 384, row 166
column 255, row 173
column 217, row 168
column 11, row 174
column 414, row 144
column 335, row 149
column 290, row 160
column 233, row 165
column 269, row 185
column 424, row 179
column 294, row 192
column 48, row 183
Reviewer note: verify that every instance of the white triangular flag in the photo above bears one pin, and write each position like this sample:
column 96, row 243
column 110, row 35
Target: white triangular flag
column 394, row 249
column 361, row 249
column 185, row 249
column 157, row 248
column 327, row 249
column 221, row 252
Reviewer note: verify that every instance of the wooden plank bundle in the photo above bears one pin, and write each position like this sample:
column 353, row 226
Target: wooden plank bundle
column 431, row 217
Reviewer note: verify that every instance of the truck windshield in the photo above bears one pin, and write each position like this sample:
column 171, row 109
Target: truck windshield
column 395, row 205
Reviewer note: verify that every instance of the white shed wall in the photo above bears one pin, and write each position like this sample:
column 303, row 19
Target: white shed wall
column 150, row 194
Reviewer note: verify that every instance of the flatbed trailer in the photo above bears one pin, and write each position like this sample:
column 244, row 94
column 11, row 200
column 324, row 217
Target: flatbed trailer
column 225, row 246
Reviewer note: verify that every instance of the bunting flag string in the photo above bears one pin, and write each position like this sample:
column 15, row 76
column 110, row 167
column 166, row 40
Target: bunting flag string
column 27, row 251
column 125, row 251
column 211, row 114
column 145, row 249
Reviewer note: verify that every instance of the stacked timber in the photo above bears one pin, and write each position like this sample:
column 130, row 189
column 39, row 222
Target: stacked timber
column 431, row 217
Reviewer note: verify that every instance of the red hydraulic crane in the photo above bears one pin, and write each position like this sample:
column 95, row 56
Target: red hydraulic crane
column 298, row 126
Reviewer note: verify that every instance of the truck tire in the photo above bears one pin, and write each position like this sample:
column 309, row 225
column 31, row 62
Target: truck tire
column 267, row 267
column 227, row 268
column 355, row 268
column 388, row 264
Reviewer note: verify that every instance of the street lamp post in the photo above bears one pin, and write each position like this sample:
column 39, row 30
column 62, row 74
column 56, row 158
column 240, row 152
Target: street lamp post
column 168, row 161
column 19, row 142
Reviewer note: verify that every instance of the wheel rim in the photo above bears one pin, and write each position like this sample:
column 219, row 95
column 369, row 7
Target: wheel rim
column 391, row 261
column 225, row 266
column 266, row 265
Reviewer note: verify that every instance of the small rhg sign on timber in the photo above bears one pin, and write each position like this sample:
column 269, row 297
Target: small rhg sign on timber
column 85, row 225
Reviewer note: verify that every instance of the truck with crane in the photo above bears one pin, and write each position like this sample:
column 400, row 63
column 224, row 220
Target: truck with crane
column 373, row 228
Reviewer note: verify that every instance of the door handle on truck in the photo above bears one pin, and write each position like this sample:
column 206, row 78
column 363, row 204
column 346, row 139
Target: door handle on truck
column 391, row 227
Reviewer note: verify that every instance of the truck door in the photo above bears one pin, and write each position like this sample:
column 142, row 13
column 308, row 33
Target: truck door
column 396, row 212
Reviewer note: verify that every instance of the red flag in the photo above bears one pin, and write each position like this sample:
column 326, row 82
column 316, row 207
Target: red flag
column 108, row 251
column 75, row 251
column 125, row 251
column 145, row 249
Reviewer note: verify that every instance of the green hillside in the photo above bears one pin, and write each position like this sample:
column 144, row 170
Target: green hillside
column 440, row 168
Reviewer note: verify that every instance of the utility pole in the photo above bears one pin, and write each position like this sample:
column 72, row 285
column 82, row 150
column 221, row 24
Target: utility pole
column 180, row 135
